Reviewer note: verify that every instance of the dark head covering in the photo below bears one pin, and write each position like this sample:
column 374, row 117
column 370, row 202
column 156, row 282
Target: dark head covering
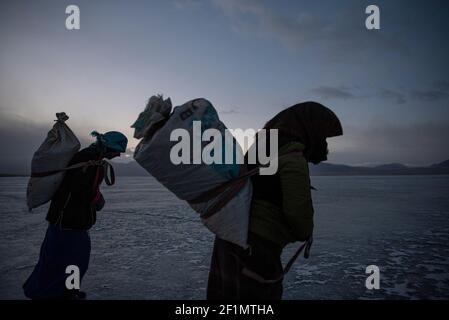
column 112, row 141
column 309, row 123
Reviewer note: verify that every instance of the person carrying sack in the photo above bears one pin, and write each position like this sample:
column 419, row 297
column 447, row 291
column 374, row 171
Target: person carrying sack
column 71, row 214
column 281, row 210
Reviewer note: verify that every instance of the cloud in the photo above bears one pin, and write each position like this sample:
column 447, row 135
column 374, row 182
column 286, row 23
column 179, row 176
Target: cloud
column 420, row 143
column 436, row 94
column 183, row 4
column 439, row 92
column 254, row 17
column 20, row 138
column 343, row 32
column 395, row 96
column 428, row 95
column 261, row 20
column 328, row 92
column 442, row 85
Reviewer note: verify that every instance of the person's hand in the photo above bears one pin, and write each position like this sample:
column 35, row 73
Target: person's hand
column 99, row 202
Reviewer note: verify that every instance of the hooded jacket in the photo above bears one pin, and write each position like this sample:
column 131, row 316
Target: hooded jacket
column 282, row 209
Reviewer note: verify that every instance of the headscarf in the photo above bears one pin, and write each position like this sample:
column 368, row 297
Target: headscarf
column 111, row 141
column 309, row 123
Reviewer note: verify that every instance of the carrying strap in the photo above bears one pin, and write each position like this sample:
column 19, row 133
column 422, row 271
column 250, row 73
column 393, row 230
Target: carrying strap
column 226, row 191
column 109, row 174
column 255, row 276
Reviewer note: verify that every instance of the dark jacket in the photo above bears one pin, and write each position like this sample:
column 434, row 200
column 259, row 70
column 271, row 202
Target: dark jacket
column 75, row 204
column 282, row 209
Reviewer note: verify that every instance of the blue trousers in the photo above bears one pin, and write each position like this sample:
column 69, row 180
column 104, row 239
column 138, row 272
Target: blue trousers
column 60, row 248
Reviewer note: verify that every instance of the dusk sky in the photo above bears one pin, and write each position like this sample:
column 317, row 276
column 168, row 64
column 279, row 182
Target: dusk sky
column 251, row 59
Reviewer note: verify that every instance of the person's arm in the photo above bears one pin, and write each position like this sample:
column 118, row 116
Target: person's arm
column 296, row 196
column 82, row 180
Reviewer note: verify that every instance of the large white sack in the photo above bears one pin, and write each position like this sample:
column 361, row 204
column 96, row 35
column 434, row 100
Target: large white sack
column 231, row 223
column 55, row 153
column 188, row 181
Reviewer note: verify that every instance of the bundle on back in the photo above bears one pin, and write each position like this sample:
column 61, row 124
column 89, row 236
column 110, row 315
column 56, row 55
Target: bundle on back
column 53, row 155
column 224, row 213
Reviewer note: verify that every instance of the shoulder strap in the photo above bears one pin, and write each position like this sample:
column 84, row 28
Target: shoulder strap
column 304, row 246
column 75, row 166
column 110, row 180
column 213, row 193
column 226, row 191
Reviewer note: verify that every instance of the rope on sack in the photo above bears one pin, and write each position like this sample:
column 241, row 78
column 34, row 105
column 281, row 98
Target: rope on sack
column 108, row 169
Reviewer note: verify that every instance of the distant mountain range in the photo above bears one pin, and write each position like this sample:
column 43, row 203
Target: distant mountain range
column 324, row 169
column 329, row 169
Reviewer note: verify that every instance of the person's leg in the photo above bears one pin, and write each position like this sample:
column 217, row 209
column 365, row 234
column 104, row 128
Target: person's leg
column 224, row 271
column 214, row 286
column 265, row 261
column 60, row 249
column 34, row 286
column 77, row 248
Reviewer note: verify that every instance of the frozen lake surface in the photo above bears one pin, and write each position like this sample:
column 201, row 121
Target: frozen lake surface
column 147, row 244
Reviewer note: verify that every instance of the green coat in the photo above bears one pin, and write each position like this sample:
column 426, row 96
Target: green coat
column 294, row 222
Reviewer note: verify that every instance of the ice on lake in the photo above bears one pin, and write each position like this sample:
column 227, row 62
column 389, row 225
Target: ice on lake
column 147, row 244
